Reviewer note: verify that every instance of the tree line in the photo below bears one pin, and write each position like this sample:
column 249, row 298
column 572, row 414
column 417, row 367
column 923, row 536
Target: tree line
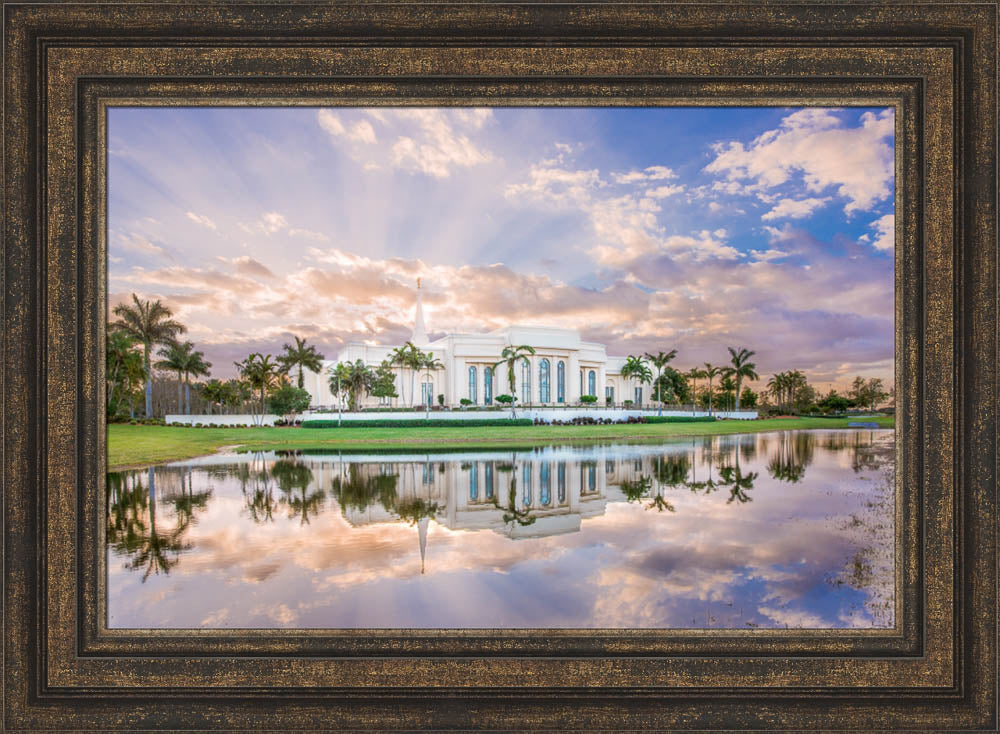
column 144, row 329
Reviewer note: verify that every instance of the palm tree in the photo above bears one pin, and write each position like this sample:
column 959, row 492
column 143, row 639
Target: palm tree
column 660, row 360
column 727, row 385
column 302, row 357
column 214, row 393
column 238, row 393
column 711, row 372
column 399, row 357
column 742, row 368
column 777, row 386
column 186, row 361
column 260, row 373
column 797, row 381
column 430, row 364
column 353, row 378
column 197, row 366
column 175, row 358
column 645, row 376
column 414, row 360
column 149, row 323
column 510, row 356
column 124, row 364
column 694, row 374
column 634, row 367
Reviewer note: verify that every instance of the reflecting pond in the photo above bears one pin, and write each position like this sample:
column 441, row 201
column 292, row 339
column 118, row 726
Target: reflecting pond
column 771, row 530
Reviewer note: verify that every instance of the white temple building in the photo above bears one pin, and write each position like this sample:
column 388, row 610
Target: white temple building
column 563, row 368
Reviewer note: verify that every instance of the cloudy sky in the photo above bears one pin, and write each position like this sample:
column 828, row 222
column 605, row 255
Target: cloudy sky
column 647, row 229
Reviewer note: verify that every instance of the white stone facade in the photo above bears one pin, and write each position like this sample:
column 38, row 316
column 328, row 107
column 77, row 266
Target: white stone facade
column 563, row 368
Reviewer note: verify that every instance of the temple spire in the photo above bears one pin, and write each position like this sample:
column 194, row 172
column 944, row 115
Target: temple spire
column 419, row 337
column 422, row 531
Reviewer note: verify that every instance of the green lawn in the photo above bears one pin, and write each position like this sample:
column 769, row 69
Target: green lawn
column 140, row 445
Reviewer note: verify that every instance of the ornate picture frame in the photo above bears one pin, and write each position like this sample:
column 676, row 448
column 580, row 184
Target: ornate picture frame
column 66, row 63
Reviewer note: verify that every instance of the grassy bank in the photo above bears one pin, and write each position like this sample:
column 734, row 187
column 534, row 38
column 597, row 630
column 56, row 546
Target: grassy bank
column 140, row 445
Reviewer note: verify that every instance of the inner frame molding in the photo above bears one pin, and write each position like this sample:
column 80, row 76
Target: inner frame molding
column 64, row 66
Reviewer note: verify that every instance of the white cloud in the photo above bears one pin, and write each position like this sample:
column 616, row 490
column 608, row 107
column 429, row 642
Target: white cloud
column 557, row 184
column 137, row 243
column 436, row 147
column 662, row 192
column 768, row 255
column 475, row 117
column 362, row 132
column 308, row 234
column 246, row 265
column 702, row 246
column 795, row 619
column 885, row 233
column 794, row 208
column 651, row 173
column 268, row 224
column 358, row 132
column 814, row 143
column 201, row 220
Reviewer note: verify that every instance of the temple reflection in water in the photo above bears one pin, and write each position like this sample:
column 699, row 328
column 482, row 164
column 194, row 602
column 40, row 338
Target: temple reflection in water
column 518, row 493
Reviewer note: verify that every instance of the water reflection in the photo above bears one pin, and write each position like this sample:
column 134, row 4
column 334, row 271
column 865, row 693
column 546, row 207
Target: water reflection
column 562, row 536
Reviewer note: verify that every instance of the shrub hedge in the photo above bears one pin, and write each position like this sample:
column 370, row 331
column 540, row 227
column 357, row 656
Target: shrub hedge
column 678, row 418
column 425, row 423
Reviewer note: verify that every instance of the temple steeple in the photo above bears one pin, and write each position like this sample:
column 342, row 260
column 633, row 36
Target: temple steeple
column 422, row 532
column 419, row 337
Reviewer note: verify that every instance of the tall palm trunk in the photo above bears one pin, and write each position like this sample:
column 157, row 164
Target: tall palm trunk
column 149, row 380
column 659, row 393
column 513, row 391
column 152, row 500
column 187, row 393
column 180, row 405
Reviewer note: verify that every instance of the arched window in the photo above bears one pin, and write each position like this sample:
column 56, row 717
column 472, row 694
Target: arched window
column 526, row 480
column 561, row 382
column 474, row 482
column 488, row 479
column 592, row 383
column 472, row 384
column 488, row 385
column 561, row 481
column 543, row 381
column 545, row 484
column 525, row 381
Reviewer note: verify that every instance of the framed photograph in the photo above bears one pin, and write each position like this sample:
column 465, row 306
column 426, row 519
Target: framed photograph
column 500, row 366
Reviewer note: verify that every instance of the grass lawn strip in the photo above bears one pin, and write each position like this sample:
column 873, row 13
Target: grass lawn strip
column 133, row 446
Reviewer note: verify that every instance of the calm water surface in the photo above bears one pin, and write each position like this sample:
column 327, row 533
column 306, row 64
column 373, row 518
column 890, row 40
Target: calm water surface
column 791, row 529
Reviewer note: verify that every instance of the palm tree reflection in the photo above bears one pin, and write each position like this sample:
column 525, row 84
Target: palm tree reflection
column 149, row 548
column 360, row 489
column 794, row 454
column 512, row 515
column 294, row 480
